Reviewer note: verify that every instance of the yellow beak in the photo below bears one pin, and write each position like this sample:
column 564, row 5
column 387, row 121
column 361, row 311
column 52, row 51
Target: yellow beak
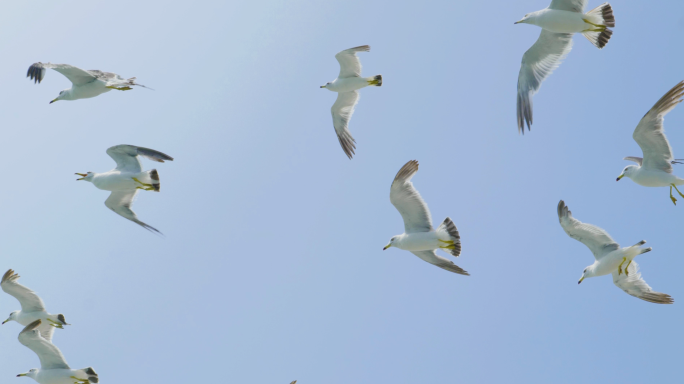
column 322, row 86
column 21, row 374
column 582, row 279
column 518, row 22
column 53, row 101
column 81, row 174
column 387, row 246
column 3, row 323
column 620, row 177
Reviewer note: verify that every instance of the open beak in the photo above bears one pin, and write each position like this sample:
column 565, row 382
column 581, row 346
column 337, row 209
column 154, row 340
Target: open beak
column 81, row 174
column 387, row 246
column 620, row 177
column 582, row 279
column 53, row 101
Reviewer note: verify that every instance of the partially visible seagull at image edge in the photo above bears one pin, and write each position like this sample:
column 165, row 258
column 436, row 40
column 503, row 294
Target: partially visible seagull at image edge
column 84, row 84
column 127, row 178
column 347, row 84
column 559, row 22
column 610, row 258
column 419, row 237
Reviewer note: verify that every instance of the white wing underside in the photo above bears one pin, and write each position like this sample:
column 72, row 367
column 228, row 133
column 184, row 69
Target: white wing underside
column 342, row 112
column 408, row 201
column 569, row 5
column 121, row 202
column 127, row 157
column 50, row 356
column 350, row 65
column 596, row 239
column 433, row 258
column 634, row 285
column 29, row 300
column 650, row 133
column 537, row 64
column 76, row 75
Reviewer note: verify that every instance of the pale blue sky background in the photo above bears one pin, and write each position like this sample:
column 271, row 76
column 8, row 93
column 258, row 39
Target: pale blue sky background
column 272, row 266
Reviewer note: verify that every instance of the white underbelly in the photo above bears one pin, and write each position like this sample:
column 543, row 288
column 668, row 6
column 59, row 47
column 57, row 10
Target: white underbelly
column 348, row 84
column 422, row 241
column 89, row 90
column 654, row 179
column 563, row 21
column 115, row 182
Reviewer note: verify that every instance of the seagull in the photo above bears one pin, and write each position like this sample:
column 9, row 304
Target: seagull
column 610, row 258
column 32, row 307
column 419, row 237
column 53, row 368
column 559, row 22
column 347, row 84
column 84, row 84
column 655, row 168
column 127, row 178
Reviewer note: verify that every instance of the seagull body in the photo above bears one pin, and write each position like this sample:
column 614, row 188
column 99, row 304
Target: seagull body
column 127, row 178
column 347, row 84
column 655, row 168
column 559, row 22
column 419, row 237
column 32, row 307
column 610, row 258
column 53, row 367
column 84, row 84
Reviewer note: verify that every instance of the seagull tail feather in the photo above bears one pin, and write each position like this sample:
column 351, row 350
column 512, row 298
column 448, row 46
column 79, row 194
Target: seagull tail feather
column 600, row 20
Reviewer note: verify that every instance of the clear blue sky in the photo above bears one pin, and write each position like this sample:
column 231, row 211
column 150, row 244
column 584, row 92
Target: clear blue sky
column 272, row 267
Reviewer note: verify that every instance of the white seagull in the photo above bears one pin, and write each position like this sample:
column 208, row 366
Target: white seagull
column 53, row 367
column 655, row 168
column 347, row 84
column 127, row 178
column 610, row 258
column 419, row 237
column 85, row 84
column 32, row 307
column 559, row 22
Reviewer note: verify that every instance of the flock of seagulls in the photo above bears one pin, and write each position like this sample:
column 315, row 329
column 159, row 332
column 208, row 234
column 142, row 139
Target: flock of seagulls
column 559, row 22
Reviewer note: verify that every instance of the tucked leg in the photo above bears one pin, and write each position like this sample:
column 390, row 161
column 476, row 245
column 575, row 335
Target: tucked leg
column 126, row 88
column 55, row 324
column 620, row 266
column 449, row 244
column 147, row 187
column 626, row 267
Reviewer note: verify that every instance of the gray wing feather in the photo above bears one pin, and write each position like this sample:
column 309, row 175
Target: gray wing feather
column 569, row 5
column 634, row 285
column 350, row 65
column 342, row 112
column 29, row 300
column 77, row 76
column 126, row 157
column 433, row 258
column 50, row 356
column 635, row 159
column 537, row 64
column 596, row 239
column 650, row 134
column 408, row 201
column 120, row 202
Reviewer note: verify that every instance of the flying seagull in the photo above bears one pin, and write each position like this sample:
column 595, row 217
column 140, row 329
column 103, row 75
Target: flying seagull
column 655, row 168
column 610, row 258
column 559, row 22
column 32, row 307
column 84, row 84
column 419, row 237
column 127, row 178
column 347, row 84
column 53, row 367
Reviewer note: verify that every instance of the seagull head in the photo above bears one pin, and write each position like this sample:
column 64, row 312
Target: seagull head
column 628, row 171
column 85, row 176
column 588, row 272
column 326, row 85
column 12, row 316
column 31, row 373
column 59, row 97
column 390, row 243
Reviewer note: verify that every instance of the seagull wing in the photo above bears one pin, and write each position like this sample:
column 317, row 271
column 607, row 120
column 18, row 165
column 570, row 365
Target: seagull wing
column 433, row 258
column 635, row 159
column 342, row 112
column 121, row 201
column 50, row 356
column 650, row 135
column 29, row 300
column 126, row 157
column 596, row 239
column 634, row 285
column 537, row 64
column 569, row 5
column 77, row 76
column 408, row 201
column 350, row 65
